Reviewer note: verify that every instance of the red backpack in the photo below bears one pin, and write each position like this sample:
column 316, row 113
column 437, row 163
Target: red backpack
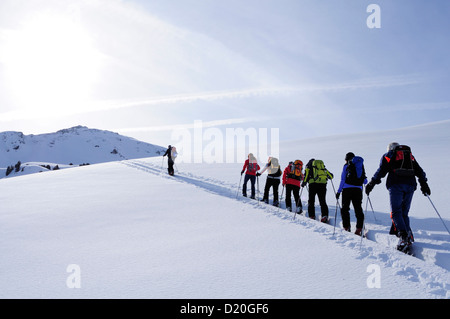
column 401, row 161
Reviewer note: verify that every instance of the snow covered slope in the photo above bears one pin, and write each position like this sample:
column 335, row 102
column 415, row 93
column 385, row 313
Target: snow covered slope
column 132, row 231
column 77, row 145
column 429, row 144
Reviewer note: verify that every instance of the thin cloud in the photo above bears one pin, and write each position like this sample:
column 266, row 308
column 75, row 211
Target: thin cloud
column 373, row 83
column 363, row 84
column 206, row 124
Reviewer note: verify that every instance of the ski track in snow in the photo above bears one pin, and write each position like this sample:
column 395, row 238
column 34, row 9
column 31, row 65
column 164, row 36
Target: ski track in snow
column 379, row 246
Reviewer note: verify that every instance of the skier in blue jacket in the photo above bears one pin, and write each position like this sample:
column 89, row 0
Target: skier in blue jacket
column 401, row 184
column 351, row 188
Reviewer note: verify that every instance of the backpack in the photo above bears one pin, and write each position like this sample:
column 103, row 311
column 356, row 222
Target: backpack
column 401, row 161
column 295, row 170
column 319, row 172
column 355, row 173
column 173, row 153
column 274, row 165
column 252, row 168
column 252, row 164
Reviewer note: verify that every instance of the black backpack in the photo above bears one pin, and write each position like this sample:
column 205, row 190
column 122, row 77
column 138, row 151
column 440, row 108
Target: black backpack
column 355, row 173
column 402, row 161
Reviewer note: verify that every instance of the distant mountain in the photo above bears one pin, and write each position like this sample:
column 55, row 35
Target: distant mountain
column 77, row 145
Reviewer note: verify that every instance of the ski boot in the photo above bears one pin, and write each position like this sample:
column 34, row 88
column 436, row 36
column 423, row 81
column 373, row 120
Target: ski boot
column 404, row 242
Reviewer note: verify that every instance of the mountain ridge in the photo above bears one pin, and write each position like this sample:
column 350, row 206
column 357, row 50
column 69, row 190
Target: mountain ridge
column 76, row 145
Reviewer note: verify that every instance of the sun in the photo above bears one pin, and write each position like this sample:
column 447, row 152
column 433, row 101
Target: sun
column 51, row 64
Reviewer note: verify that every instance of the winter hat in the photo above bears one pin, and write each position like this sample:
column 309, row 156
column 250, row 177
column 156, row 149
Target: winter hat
column 392, row 146
column 349, row 156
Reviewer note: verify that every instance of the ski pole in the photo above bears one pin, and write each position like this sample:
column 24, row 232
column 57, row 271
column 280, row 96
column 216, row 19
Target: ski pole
column 364, row 223
column 281, row 198
column 362, row 234
column 373, row 212
column 239, row 186
column 334, row 190
column 338, row 205
column 335, row 216
column 307, row 206
column 300, row 196
column 437, row 212
column 332, row 184
column 298, row 202
column 257, row 185
column 295, row 210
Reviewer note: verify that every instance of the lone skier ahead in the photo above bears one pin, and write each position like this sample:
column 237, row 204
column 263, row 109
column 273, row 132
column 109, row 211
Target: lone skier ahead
column 171, row 153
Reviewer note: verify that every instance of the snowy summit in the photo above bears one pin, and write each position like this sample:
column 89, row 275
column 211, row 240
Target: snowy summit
column 77, row 145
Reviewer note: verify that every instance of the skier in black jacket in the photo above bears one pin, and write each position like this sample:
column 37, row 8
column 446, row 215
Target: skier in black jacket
column 170, row 161
column 401, row 184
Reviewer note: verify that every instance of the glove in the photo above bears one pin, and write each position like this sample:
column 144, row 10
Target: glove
column 337, row 195
column 303, row 184
column 258, row 174
column 425, row 189
column 242, row 172
column 369, row 187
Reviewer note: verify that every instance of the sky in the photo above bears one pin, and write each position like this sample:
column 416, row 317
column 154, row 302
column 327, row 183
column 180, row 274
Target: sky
column 144, row 68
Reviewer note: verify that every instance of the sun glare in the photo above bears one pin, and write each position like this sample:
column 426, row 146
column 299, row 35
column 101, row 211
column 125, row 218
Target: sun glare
column 51, row 64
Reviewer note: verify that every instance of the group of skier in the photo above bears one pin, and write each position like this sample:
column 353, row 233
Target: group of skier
column 293, row 180
column 397, row 163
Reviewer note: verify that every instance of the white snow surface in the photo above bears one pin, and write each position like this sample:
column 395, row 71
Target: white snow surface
column 135, row 232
